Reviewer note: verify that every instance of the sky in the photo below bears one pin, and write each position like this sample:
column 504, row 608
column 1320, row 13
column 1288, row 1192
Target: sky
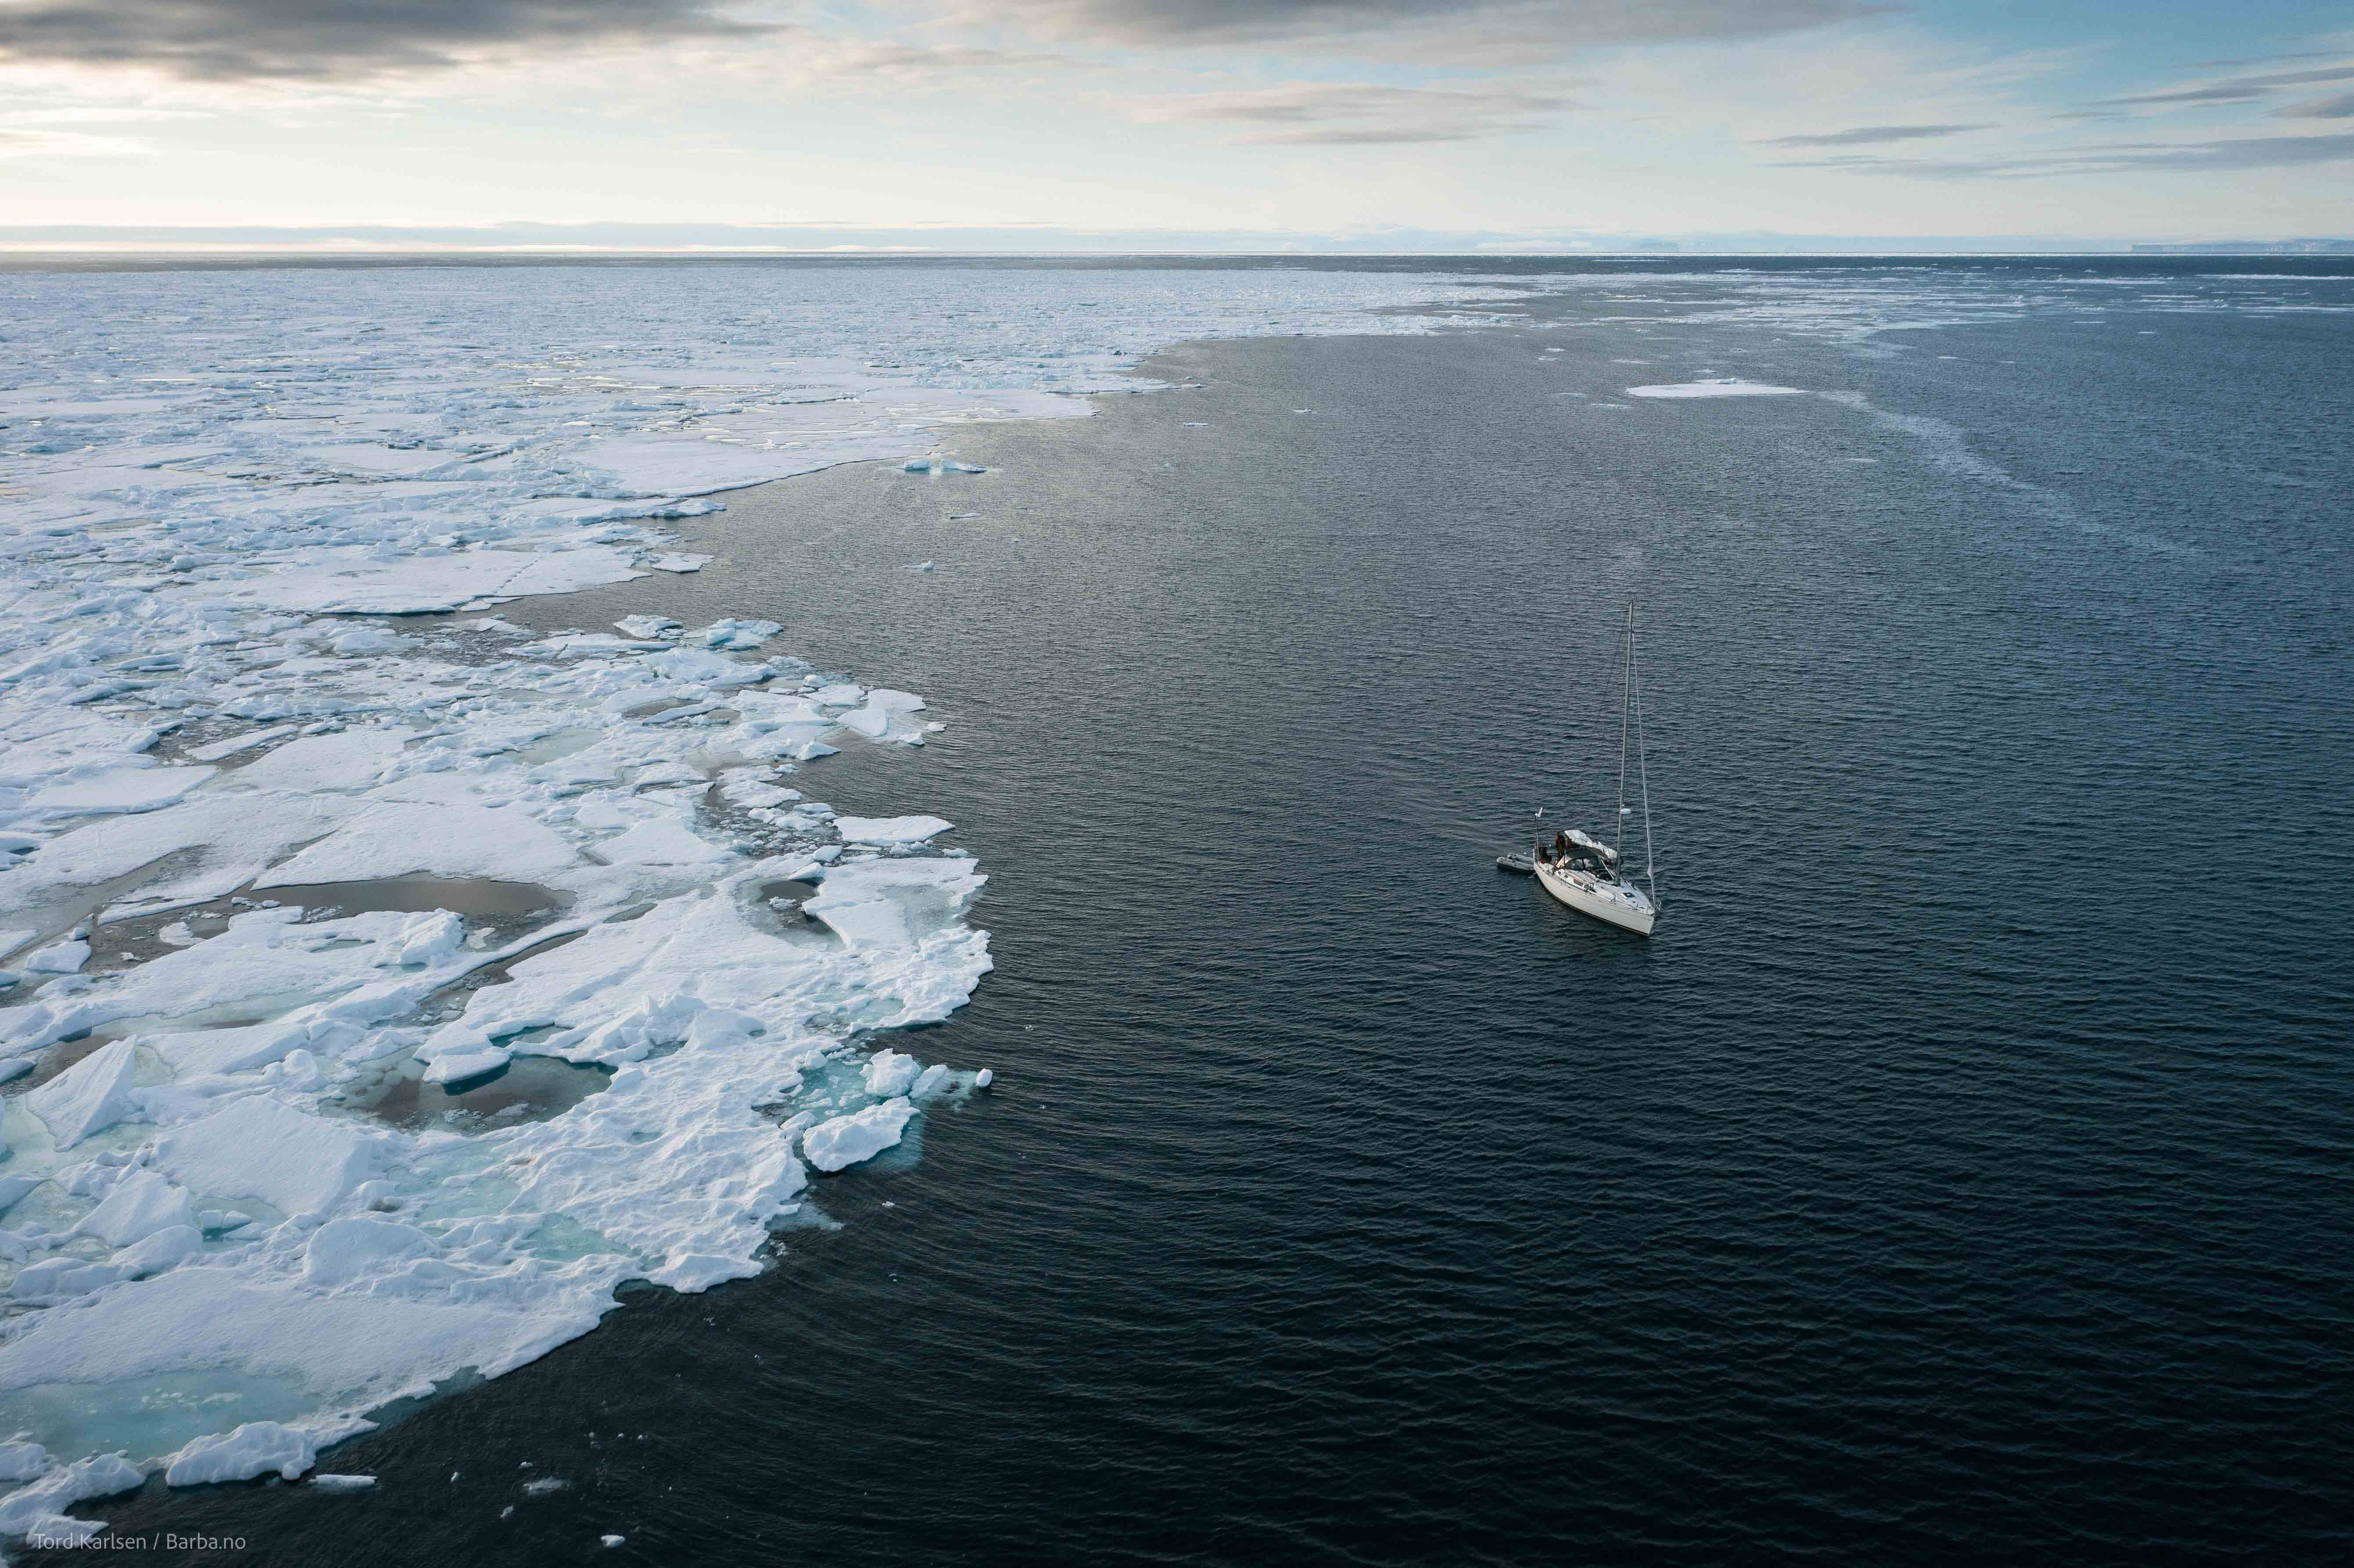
column 1502, row 125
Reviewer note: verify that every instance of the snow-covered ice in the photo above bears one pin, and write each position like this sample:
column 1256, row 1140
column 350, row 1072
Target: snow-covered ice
column 211, row 478
column 890, row 829
column 1722, row 386
column 843, row 1142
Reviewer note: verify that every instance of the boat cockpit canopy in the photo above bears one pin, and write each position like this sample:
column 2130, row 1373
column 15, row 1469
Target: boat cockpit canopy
column 1607, row 855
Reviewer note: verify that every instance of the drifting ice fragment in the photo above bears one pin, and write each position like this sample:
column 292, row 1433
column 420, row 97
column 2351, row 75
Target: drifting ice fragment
column 89, row 1096
column 43, row 1504
column 457, row 1065
column 342, row 1483
column 257, row 1147
column 64, row 958
column 1722, row 386
column 241, row 1454
column 890, row 829
column 141, row 1203
column 21, row 1461
column 983, row 1079
column 110, row 792
column 368, row 639
column 890, row 1073
column 846, row 1141
column 732, row 633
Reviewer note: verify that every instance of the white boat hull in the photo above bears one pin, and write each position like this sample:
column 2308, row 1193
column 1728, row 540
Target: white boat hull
column 1613, row 903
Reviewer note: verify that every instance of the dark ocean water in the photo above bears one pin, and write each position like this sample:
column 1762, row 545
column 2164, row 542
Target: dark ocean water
column 1960, row 1175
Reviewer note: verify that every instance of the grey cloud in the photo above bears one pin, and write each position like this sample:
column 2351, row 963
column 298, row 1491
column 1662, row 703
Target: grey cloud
column 2339, row 107
column 315, row 40
column 1868, row 135
column 2235, row 88
column 1354, row 115
column 2233, row 154
column 1456, row 29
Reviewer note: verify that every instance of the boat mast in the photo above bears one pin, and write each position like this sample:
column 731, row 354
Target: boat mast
column 1626, row 697
column 1642, row 764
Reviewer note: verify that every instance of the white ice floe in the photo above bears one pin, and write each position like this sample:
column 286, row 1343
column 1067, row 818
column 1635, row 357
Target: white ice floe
column 843, row 1142
column 89, row 1096
column 890, row 829
column 1722, row 386
column 21, row 1461
column 217, row 1255
column 252, row 1450
column 104, row 791
column 58, row 957
column 38, row 1511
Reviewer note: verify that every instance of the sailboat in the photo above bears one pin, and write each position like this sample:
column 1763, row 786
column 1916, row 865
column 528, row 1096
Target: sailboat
column 1589, row 875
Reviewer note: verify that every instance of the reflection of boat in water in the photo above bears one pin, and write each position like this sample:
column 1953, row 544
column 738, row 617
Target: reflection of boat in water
column 1589, row 875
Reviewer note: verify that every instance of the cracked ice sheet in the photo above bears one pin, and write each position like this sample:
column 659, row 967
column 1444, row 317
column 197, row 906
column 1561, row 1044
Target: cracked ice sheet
column 204, row 472
column 382, row 1259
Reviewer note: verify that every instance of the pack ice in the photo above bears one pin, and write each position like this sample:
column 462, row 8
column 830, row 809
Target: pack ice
column 218, row 1256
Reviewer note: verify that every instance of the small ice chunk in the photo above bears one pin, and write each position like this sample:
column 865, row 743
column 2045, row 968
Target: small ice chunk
column 733, row 633
column 677, row 564
column 647, row 628
column 362, row 1246
column 429, row 937
column 890, row 829
column 257, row 1147
column 1720, row 386
column 457, row 1065
column 890, row 1073
column 21, row 1460
column 141, row 1203
column 845, row 1141
column 983, row 1079
column 89, row 1096
column 870, row 722
column 661, row 843
column 241, row 1454
column 110, row 792
column 100, row 1475
column 64, row 958
column 610, row 1540
column 166, row 1249
column 342, row 1483
column 921, row 566
column 369, row 640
